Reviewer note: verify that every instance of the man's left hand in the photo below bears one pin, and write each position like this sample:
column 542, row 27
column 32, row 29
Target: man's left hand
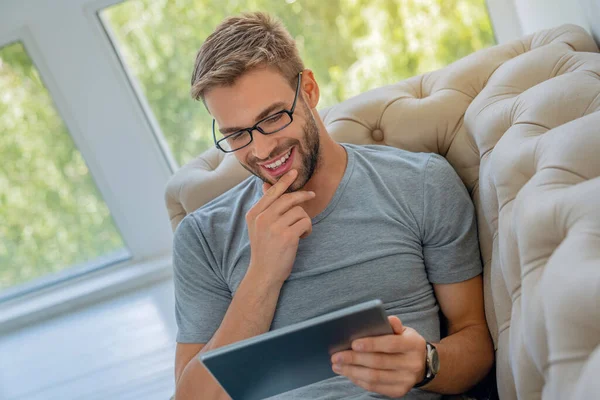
column 390, row 364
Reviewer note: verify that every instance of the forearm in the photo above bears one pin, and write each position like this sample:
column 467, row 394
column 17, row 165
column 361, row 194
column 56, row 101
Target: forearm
column 466, row 357
column 249, row 314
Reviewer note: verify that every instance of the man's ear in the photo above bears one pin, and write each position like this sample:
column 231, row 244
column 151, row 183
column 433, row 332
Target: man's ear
column 310, row 88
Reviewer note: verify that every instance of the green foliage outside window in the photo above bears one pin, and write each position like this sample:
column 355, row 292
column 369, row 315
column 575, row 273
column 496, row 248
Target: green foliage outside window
column 51, row 214
column 351, row 45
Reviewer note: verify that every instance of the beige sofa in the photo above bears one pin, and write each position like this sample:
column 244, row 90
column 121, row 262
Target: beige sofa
column 520, row 123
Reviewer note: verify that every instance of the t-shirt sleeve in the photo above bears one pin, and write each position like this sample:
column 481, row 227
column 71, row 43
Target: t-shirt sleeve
column 450, row 245
column 201, row 294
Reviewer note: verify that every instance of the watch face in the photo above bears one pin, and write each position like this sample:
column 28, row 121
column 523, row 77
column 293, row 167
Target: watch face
column 435, row 360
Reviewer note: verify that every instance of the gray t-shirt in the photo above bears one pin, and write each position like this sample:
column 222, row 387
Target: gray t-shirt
column 398, row 222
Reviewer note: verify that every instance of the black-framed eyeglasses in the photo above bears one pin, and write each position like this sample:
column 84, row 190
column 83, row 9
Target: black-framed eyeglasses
column 268, row 125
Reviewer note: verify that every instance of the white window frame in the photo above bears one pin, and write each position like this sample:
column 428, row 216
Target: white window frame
column 505, row 20
column 118, row 139
column 81, row 69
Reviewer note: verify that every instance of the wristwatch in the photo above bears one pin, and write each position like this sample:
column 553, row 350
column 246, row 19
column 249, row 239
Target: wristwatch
column 432, row 365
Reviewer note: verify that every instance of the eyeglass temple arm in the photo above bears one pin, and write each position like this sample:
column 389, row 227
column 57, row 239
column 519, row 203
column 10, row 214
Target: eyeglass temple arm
column 297, row 91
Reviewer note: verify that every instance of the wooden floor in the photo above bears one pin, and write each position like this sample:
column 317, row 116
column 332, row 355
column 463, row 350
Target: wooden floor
column 122, row 349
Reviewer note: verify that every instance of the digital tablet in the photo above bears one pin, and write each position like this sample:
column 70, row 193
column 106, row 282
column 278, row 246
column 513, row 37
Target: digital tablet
column 293, row 356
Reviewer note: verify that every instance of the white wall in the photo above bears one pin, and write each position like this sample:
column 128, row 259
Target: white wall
column 591, row 9
column 513, row 19
column 535, row 15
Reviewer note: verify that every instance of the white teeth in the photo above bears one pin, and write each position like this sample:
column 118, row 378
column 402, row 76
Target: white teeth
column 280, row 161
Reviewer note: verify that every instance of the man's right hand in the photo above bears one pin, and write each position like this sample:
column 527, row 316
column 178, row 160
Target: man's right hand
column 275, row 225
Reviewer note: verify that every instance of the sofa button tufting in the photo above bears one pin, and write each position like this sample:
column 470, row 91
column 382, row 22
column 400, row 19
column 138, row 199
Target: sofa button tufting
column 377, row 135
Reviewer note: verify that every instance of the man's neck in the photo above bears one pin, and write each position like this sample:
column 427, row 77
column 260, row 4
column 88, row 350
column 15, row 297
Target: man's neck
column 330, row 170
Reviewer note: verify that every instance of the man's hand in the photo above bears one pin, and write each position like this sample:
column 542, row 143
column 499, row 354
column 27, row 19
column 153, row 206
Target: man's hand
column 390, row 364
column 275, row 225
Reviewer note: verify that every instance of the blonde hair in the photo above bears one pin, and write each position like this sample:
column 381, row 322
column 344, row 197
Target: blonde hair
column 240, row 44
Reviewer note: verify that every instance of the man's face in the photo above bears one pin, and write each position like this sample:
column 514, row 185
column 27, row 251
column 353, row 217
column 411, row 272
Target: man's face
column 258, row 94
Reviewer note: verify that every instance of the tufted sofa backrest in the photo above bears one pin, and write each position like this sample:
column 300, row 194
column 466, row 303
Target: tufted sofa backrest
column 520, row 123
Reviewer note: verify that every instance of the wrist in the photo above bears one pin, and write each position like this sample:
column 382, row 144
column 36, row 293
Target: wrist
column 260, row 280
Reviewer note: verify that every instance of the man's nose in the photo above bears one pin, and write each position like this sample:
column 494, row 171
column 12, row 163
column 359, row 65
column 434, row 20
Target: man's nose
column 262, row 145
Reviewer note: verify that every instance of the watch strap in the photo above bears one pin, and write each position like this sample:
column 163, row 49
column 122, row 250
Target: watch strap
column 429, row 374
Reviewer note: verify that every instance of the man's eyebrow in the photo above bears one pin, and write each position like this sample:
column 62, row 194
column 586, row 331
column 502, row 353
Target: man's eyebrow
column 264, row 113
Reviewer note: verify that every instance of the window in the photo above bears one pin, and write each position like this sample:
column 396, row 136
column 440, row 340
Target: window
column 351, row 45
column 53, row 218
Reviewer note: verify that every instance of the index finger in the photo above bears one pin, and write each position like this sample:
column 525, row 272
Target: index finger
column 407, row 341
column 275, row 191
column 390, row 344
column 266, row 186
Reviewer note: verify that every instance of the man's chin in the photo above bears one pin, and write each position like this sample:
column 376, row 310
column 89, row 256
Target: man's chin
column 293, row 188
column 269, row 179
column 298, row 184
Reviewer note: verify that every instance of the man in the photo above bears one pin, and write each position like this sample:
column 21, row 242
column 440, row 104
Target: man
column 326, row 226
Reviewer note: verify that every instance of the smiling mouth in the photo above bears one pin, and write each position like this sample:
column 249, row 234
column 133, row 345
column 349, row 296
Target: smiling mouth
column 280, row 161
column 281, row 165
